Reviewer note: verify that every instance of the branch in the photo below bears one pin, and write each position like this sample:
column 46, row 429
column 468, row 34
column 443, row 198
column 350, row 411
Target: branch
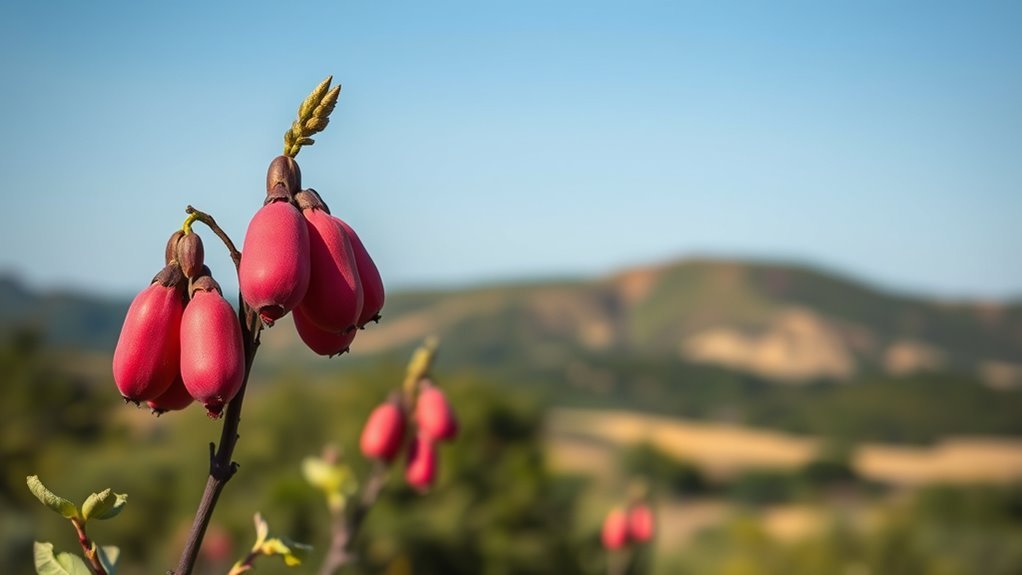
column 89, row 547
column 620, row 562
column 221, row 467
column 345, row 527
column 196, row 215
column 245, row 564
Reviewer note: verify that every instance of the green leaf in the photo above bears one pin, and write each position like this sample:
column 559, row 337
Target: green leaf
column 108, row 556
column 319, row 473
column 298, row 552
column 104, row 505
column 63, row 564
column 336, row 481
column 329, row 478
column 293, row 553
column 262, row 531
column 58, row 504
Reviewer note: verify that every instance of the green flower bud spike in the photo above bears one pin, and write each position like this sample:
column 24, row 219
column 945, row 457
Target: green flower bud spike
column 313, row 117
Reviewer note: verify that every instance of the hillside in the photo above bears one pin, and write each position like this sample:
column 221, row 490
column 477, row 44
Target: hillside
column 776, row 322
column 63, row 318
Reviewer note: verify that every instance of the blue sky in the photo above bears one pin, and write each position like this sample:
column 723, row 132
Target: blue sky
column 479, row 141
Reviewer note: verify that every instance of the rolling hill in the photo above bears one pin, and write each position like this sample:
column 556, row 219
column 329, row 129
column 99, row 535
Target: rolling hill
column 777, row 322
column 781, row 323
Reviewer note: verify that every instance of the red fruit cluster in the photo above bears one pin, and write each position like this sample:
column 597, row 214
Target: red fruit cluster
column 299, row 258
column 624, row 526
column 181, row 341
column 384, row 433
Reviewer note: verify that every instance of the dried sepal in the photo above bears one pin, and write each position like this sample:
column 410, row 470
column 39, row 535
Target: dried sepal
column 170, row 276
column 170, row 253
column 284, row 171
column 191, row 255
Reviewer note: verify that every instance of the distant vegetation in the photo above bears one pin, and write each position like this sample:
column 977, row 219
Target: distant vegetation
column 917, row 408
column 497, row 509
column 777, row 321
column 615, row 342
column 509, row 353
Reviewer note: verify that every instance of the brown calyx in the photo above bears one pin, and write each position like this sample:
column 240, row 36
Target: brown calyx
column 204, row 282
column 283, row 178
column 310, row 199
column 170, row 254
column 191, row 255
column 170, row 276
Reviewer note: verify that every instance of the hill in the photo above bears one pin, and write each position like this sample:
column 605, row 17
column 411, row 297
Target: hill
column 776, row 322
column 782, row 323
column 779, row 346
column 64, row 318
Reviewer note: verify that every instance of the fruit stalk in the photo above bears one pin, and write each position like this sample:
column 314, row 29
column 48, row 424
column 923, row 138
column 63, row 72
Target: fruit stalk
column 221, row 467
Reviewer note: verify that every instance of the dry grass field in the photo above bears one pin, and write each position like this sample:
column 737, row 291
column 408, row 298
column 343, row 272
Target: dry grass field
column 585, row 441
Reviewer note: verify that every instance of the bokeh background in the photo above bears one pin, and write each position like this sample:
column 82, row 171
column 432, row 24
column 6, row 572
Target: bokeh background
column 762, row 257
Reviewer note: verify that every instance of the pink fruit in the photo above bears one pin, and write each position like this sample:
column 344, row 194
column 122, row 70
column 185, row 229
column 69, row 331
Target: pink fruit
column 147, row 356
column 421, row 467
column 174, row 399
column 640, row 523
column 615, row 530
column 212, row 354
column 372, row 283
column 382, row 434
column 274, row 271
column 334, row 297
column 319, row 340
column 434, row 415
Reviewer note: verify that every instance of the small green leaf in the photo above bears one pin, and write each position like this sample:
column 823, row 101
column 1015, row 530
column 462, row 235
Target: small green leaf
column 58, row 504
column 298, row 552
column 108, row 556
column 63, row 564
column 292, row 553
column 262, row 531
column 336, row 481
column 319, row 473
column 104, row 505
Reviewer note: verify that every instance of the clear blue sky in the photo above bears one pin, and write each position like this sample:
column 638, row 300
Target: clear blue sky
column 485, row 140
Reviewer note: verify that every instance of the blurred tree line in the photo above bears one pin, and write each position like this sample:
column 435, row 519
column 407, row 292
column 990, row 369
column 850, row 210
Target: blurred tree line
column 496, row 509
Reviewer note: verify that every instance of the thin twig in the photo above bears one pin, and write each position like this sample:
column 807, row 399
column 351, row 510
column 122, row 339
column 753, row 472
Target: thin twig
column 245, row 564
column 220, row 233
column 221, row 467
column 344, row 527
column 620, row 562
column 90, row 548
